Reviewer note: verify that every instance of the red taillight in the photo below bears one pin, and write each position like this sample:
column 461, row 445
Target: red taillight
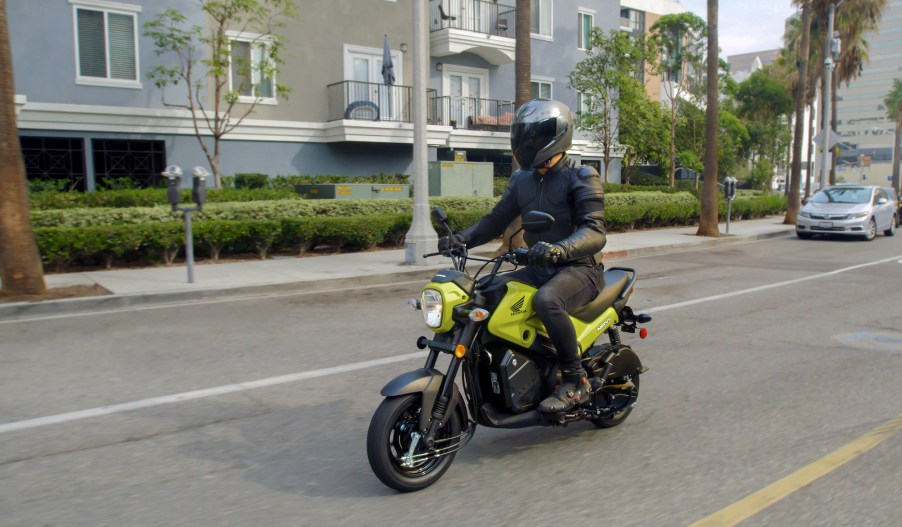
column 643, row 332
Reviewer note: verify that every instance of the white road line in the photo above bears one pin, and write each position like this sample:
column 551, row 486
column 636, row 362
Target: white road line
column 200, row 394
column 294, row 377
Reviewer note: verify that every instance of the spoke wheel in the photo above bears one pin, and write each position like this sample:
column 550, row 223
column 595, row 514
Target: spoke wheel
column 617, row 392
column 872, row 230
column 391, row 433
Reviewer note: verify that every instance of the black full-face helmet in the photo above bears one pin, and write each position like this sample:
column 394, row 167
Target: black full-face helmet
column 541, row 129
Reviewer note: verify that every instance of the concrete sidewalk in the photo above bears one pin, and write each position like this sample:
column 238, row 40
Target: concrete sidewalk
column 169, row 284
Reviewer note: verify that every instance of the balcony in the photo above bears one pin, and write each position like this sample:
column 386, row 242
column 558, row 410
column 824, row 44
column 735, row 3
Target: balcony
column 468, row 113
column 370, row 101
column 484, row 28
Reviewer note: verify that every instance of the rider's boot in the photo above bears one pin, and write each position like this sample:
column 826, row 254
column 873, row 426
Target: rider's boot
column 573, row 390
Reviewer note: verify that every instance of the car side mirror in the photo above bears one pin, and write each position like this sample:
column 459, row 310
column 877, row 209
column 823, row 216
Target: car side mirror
column 882, row 201
column 535, row 221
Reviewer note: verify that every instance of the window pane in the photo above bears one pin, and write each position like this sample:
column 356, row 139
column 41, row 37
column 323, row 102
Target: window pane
column 475, row 87
column 91, row 45
column 534, row 16
column 533, row 90
column 241, row 52
column 122, row 46
column 262, row 82
column 546, row 90
column 456, row 84
column 585, row 34
column 545, row 18
column 361, row 70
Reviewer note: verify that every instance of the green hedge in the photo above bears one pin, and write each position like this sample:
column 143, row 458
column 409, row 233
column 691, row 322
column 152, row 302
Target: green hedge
column 161, row 241
column 148, row 198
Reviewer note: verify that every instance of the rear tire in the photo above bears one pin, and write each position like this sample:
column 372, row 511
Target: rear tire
column 619, row 417
column 389, row 438
column 892, row 228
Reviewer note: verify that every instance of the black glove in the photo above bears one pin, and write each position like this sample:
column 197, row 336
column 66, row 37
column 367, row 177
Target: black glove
column 542, row 254
column 446, row 242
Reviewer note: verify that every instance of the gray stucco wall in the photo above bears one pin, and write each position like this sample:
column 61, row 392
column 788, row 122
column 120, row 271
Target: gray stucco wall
column 42, row 37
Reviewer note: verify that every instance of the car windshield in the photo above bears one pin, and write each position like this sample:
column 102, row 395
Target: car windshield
column 843, row 195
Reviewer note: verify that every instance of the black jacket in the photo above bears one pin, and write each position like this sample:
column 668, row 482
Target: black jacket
column 573, row 195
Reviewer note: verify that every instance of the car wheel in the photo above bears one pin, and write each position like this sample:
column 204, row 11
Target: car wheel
column 804, row 235
column 892, row 228
column 872, row 230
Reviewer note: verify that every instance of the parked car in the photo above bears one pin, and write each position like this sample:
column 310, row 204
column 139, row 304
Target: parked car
column 849, row 210
column 892, row 196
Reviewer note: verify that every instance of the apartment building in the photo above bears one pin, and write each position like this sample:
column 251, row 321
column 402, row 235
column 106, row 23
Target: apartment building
column 636, row 18
column 88, row 112
column 862, row 122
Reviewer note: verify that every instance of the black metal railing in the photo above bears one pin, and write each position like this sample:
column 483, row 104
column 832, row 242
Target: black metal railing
column 487, row 17
column 473, row 114
column 371, row 101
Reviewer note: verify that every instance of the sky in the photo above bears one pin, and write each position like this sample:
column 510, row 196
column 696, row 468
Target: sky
column 746, row 25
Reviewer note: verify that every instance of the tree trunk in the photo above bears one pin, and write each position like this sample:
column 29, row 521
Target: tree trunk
column 522, row 95
column 834, row 96
column 809, row 164
column 20, row 262
column 707, row 222
column 794, row 203
column 897, row 147
column 673, row 143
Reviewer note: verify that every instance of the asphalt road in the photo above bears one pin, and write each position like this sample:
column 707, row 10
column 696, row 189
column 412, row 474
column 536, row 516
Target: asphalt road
column 770, row 362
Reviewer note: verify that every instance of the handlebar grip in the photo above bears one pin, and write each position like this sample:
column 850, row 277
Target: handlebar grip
column 520, row 255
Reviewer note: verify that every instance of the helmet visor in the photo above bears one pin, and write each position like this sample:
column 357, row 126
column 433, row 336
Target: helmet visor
column 528, row 139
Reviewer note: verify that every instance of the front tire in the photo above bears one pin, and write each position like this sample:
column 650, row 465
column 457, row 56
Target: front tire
column 872, row 230
column 389, row 439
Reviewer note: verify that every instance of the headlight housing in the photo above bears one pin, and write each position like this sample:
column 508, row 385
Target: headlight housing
column 805, row 214
column 432, row 305
column 863, row 214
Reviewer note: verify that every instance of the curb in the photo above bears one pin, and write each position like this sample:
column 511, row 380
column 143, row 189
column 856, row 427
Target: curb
column 17, row 310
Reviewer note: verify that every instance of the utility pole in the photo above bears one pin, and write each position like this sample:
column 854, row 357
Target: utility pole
column 832, row 48
column 421, row 238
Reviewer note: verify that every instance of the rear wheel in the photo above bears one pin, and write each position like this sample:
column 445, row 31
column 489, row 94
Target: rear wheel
column 892, row 228
column 621, row 393
column 393, row 430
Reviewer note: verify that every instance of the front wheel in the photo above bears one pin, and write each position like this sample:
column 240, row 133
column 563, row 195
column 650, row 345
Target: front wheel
column 393, row 430
column 871, row 233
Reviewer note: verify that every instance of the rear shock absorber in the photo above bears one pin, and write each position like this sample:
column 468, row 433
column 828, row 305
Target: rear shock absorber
column 614, row 335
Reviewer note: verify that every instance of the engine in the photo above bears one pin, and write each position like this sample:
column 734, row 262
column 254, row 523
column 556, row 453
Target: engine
column 511, row 380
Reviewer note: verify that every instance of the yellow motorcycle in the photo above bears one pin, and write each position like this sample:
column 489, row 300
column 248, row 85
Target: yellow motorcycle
column 506, row 362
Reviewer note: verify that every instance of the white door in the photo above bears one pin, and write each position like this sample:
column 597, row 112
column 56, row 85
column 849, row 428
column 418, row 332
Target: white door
column 466, row 90
column 368, row 97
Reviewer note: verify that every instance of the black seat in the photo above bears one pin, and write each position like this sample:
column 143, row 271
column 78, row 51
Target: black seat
column 614, row 282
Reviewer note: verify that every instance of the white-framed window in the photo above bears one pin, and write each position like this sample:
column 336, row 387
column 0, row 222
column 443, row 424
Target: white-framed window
column 586, row 21
column 106, row 43
column 250, row 71
column 540, row 88
column 541, row 25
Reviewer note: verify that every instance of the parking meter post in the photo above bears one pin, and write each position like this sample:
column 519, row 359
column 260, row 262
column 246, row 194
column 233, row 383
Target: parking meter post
column 189, row 245
column 729, row 192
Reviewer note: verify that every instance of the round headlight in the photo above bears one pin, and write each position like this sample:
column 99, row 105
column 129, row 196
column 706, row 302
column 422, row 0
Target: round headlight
column 432, row 307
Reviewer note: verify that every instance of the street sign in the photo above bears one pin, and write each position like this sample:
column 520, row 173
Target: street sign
column 834, row 139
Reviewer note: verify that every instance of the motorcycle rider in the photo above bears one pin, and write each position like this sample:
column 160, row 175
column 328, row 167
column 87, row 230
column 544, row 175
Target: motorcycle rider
column 562, row 262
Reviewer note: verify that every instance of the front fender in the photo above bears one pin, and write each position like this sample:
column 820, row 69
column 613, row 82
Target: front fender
column 428, row 382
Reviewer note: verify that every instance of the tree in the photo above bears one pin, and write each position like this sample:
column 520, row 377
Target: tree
column 680, row 41
column 707, row 223
column 20, row 262
column 644, row 130
column 893, row 104
column 763, row 102
column 613, row 63
column 794, row 203
column 206, row 64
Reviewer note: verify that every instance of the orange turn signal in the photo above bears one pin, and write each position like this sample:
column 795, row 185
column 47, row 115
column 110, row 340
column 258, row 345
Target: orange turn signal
column 460, row 351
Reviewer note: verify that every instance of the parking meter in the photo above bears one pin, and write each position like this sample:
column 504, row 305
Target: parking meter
column 729, row 188
column 173, row 174
column 199, row 186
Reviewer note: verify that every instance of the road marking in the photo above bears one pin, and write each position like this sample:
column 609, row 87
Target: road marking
column 201, row 394
column 293, row 377
column 773, row 493
column 766, row 287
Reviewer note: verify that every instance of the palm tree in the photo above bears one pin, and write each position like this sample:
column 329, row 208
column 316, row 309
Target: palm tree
column 707, row 224
column 794, row 204
column 893, row 103
column 20, row 262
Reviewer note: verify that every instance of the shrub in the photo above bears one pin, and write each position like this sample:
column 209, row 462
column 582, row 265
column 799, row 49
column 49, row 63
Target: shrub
column 251, row 180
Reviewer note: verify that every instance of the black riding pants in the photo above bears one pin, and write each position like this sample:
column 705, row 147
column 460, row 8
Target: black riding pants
column 563, row 290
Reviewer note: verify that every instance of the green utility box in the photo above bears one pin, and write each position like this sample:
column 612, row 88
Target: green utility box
column 354, row 191
column 451, row 178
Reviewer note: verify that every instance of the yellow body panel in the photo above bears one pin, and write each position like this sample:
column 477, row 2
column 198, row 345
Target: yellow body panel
column 514, row 320
column 452, row 296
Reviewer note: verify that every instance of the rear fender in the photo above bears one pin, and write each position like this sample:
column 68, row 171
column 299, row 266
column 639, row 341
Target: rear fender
column 624, row 362
column 428, row 382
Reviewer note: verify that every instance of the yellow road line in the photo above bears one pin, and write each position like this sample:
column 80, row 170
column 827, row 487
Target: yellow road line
column 764, row 498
